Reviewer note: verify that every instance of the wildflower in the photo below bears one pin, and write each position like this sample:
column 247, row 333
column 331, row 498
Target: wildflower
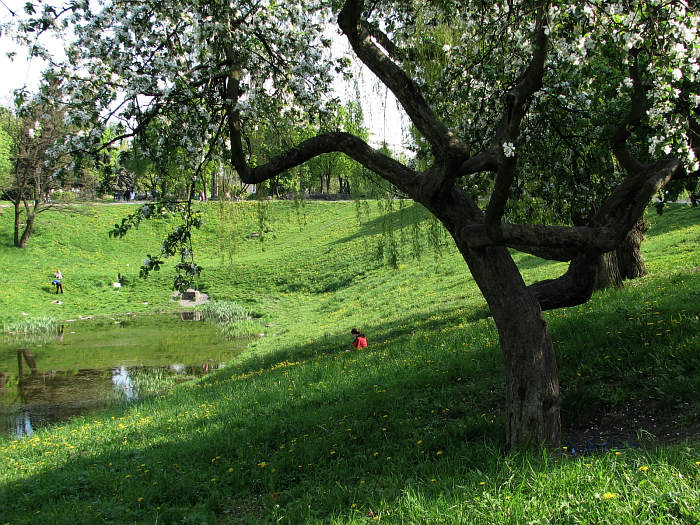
column 610, row 495
column 419, row 442
column 482, row 483
column 440, row 452
column 643, row 469
column 262, row 464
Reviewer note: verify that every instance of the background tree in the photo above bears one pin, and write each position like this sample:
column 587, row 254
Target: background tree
column 213, row 69
column 38, row 166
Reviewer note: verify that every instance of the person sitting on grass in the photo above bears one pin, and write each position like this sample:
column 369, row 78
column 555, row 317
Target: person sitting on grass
column 360, row 341
column 57, row 281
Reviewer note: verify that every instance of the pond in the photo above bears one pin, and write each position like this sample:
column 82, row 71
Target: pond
column 93, row 363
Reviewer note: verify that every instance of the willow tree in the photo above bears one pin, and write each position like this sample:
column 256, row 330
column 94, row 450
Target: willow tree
column 214, row 66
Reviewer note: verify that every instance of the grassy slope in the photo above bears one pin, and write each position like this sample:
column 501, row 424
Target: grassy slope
column 408, row 431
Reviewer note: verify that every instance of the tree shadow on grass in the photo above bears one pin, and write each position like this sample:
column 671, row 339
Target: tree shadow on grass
column 406, row 218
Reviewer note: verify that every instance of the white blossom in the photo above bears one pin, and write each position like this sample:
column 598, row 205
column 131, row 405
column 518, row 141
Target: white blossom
column 508, row 149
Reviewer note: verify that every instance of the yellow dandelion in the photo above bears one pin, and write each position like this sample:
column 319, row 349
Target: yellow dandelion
column 643, row 469
column 262, row 464
column 610, row 495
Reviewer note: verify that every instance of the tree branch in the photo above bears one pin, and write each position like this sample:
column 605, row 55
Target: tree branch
column 406, row 179
column 626, row 127
column 574, row 287
column 516, row 102
column 399, row 175
column 441, row 139
column 569, row 240
column 485, row 161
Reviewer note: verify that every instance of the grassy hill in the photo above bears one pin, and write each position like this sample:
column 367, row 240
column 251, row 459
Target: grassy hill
column 410, row 430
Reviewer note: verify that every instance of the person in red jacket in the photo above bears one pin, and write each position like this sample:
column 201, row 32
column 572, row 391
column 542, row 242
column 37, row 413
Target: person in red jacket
column 360, row 341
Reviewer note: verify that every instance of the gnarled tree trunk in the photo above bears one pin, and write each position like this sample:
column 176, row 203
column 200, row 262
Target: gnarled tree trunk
column 532, row 381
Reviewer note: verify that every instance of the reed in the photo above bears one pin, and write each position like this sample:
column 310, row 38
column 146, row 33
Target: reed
column 232, row 319
column 31, row 325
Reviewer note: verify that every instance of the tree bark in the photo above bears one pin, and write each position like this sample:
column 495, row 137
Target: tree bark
column 608, row 273
column 625, row 262
column 28, row 229
column 18, row 214
column 532, row 381
column 629, row 256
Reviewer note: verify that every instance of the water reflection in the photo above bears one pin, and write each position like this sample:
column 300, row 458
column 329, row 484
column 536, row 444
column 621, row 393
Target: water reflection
column 122, row 381
column 48, row 380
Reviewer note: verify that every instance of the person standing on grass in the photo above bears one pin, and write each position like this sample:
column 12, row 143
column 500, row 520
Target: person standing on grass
column 360, row 341
column 57, row 277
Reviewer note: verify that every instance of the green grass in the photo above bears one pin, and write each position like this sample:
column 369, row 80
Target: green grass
column 411, row 430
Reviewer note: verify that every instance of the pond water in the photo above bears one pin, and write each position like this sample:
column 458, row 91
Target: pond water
column 90, row 364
